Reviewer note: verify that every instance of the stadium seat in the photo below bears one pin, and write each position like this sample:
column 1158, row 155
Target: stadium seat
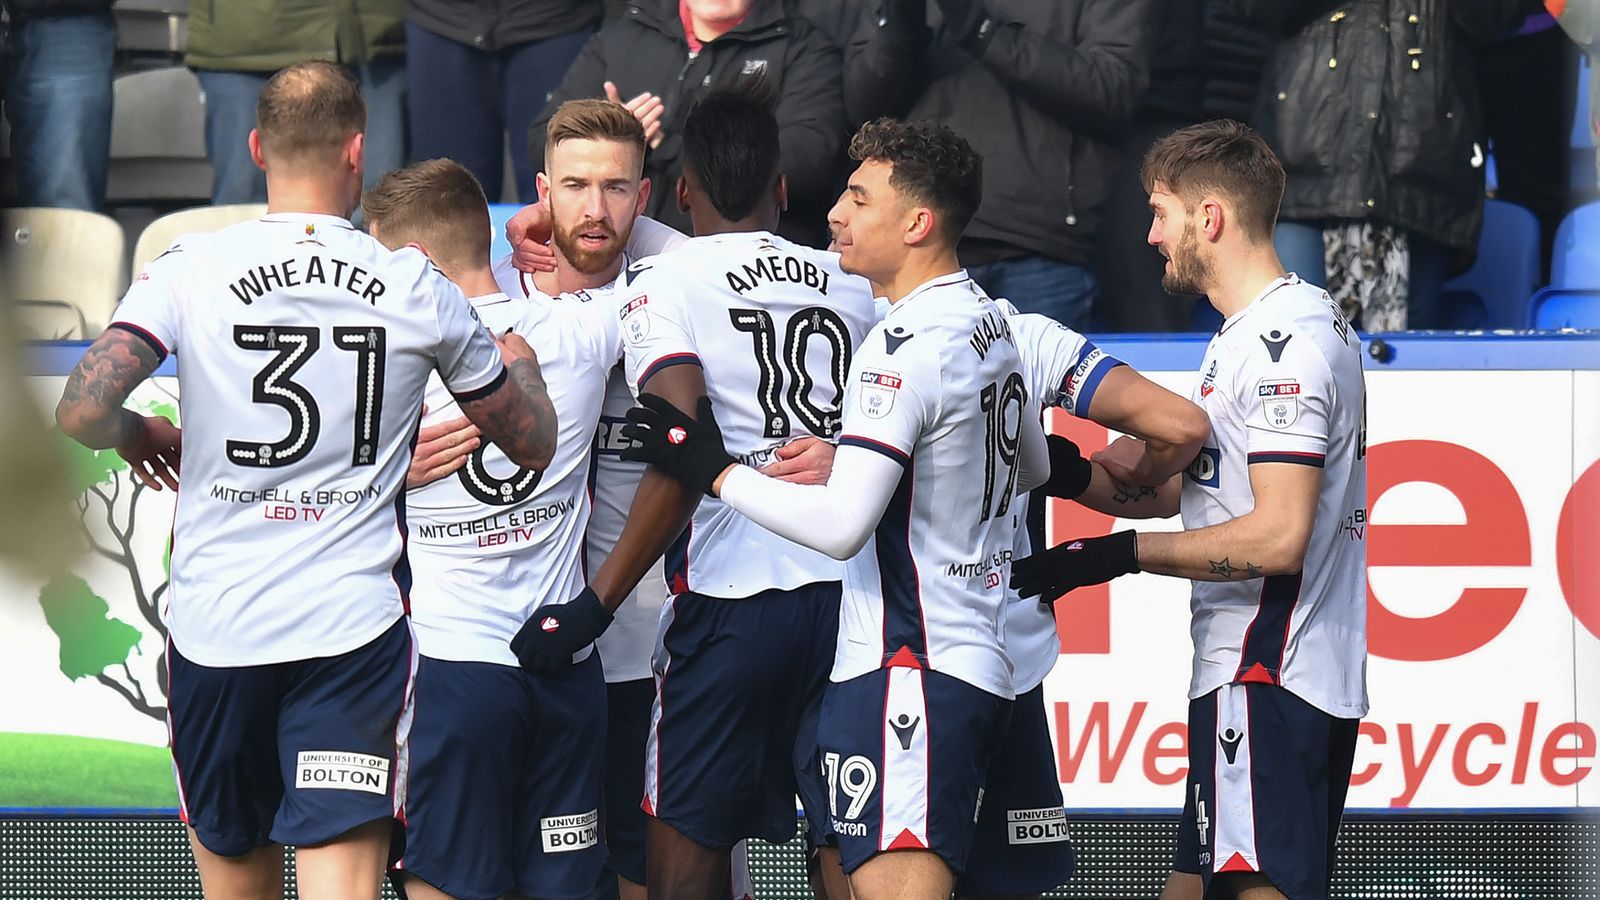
column 1574, row 273
column 63, row 267
column 159, row 235
column 499, row 214
column 1494, row 292
column 151, row 32
column 1557, row 308
column 158, row 150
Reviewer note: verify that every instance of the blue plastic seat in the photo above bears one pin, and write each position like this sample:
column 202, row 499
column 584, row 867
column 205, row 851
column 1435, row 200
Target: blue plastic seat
column 1556, row 308
column 1493, row 293
column 499, row 214
column 1570, row 300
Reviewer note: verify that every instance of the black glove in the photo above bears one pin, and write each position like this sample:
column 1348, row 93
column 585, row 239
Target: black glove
column 969, row 23
column 545, row 643
column 1070, row 473
column 683, row 448
column 1051, row 573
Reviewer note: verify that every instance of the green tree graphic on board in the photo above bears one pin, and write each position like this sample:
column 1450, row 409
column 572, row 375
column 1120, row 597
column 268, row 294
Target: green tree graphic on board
column 94, row 644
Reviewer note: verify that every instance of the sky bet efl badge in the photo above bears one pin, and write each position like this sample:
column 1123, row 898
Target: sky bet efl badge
column 1280, row 401
column 878, row 390
column 636, row 319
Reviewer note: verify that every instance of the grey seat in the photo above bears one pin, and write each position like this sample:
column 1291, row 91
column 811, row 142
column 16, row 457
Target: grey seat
column 159, row 235
column 158, row 150
column 63, row 270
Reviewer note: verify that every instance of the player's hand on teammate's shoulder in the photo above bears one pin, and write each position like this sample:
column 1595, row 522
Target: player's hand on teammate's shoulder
column 1050, row 574
column 546, row 642
column 805, row 460
column 442, row 448
column 514, row 348
column 528, row 232
column 154, row 454
column 689, row 450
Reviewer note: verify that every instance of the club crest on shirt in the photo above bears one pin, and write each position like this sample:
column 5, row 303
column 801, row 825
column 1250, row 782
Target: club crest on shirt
column 1209, row 383
column 878, row 390
column 1280, row 401
column 636, row 319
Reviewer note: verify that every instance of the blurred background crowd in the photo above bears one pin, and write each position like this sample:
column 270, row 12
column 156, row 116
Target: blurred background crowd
column 1440, row 153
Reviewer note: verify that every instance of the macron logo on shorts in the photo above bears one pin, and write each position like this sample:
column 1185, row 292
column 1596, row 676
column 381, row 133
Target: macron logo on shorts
column 563, row 834
column 331, row 769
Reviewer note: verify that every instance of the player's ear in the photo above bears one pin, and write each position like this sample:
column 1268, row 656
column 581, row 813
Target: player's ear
column 255, row 150
column 541, row 183
column 783, row 192
column 644, row 197
column 920, row 225
column 355, row 151
column 683, row 194
column 1212, row 218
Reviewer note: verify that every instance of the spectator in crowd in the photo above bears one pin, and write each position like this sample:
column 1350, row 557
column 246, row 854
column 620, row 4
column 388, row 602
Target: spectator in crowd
column 57, row 91
column 1045, row 91
column 1526, row 81
column 476, row 72
column 236, row 45
column 1581, row 21
column 1373, row 107
column 1205, row 63
column 660, row 56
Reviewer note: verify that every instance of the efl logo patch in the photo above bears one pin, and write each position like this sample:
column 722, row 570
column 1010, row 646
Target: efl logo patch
column 1036, row 826
column 636, row 319
column 564, row 834
column 1280, row 402
column 878, row 390
column 333, row 770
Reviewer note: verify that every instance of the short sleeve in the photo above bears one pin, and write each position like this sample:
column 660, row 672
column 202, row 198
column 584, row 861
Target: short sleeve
column 149, row 310
column 1285, row 393
column 467, row 357
column 889, row 400
column 653, row 316
column 604, row 328
column 1067, row 368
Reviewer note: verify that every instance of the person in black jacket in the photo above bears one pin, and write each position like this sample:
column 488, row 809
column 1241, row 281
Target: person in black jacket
column 1044, row 91
column 1373, row 107
column 477, row 71
column 659, row 63
column 57, row 96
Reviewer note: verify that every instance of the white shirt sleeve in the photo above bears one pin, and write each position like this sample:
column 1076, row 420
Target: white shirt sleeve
column 653, row 314
column 1286, row 403
column 889, row 400
column 650, row 237
column 834, row 518
column 149, row 309
column 467, row 357
column 1067, row 367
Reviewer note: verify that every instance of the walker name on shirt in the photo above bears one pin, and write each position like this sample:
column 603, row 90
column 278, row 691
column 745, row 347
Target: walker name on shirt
column 258, row 281
column 778, row 268
column 280, row 504
column 513, row 527
column 333, row 770
column 993, row 327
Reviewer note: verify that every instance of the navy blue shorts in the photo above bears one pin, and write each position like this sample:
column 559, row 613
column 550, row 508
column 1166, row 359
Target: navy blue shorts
column 294, row 752
column 904, row 756
column 1022, row 845
column 733, row 732
column 627, row 728
column 505, row 786
column 1268, row 774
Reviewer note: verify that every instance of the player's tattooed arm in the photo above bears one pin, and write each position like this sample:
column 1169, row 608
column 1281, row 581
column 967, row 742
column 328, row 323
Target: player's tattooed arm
column 1270, row 539
column 1131, row 501
column 90, row 411
column 518, row 417
column 1130, row 493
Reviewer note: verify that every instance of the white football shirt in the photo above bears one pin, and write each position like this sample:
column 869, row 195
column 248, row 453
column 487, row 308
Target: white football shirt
column 937, row 386
column 494, row 541
column 629, row 642
column 773, row 325
column 1064, row 369
column 304, row 348
column 1282, row 383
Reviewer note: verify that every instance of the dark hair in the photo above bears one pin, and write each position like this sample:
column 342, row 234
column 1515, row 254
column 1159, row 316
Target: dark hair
column 593, row 120
column 933, row 166
column 730, row 143
column 308, row 110
column 436, row 203
column 1223, row 157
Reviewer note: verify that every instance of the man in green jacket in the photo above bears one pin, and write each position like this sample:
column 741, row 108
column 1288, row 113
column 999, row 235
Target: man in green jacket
column 236, row 45
column 1581, row 20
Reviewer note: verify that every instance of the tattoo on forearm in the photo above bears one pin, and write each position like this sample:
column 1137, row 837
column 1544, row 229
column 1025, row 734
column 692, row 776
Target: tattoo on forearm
column 1227, row 570
column 108, row 372
column 1127, row 493
column 530, row 430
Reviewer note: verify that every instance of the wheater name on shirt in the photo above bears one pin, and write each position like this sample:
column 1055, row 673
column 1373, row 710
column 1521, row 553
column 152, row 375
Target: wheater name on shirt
column 258, row 281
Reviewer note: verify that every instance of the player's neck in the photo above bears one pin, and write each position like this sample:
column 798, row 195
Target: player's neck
column 316, row 197
column 566, row 278
column 706, row 228
column 918, row 269
column 477, row 283
column 1237, row 282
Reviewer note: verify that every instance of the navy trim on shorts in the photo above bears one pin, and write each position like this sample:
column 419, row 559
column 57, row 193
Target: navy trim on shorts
column 903, row 624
